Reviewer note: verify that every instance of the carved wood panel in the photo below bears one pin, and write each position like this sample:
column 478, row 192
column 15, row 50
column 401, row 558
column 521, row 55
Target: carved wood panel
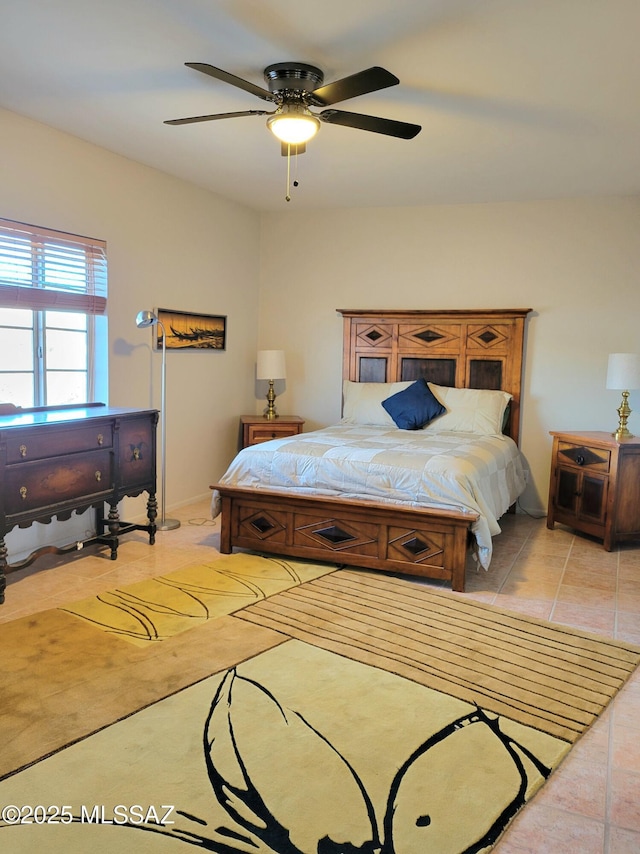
column 466, row 349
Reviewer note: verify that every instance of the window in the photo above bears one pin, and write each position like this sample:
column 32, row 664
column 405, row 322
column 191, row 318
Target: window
column 53, row 299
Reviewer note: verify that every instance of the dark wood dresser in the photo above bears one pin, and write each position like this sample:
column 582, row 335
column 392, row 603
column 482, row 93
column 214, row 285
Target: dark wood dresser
column 54, row 462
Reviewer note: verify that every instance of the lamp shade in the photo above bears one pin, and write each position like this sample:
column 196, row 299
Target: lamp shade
column 293, row 124
column 623, row 371
column 145, row 318
column 271, row 365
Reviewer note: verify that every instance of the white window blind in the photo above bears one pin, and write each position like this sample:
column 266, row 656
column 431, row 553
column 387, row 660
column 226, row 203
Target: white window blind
column 45, row 269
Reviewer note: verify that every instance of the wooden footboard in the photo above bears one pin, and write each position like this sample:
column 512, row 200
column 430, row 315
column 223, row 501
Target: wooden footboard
column 426, row 543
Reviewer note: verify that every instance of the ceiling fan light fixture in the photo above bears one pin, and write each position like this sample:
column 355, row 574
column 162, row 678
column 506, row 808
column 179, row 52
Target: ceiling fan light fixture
column 293, row 124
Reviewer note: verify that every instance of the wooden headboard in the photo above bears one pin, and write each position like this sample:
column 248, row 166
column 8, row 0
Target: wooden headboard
column 466, row 349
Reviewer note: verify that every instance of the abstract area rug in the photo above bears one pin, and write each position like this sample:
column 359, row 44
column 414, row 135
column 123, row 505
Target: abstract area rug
column 366, row 714
column 158, row 608
column 85, row 673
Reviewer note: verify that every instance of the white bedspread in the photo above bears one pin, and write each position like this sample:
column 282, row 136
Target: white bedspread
column 462, row 471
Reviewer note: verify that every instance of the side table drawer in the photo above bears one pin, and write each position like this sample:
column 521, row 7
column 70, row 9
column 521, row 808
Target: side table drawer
column 255, row 429
column 584, row 456
column 264, row 433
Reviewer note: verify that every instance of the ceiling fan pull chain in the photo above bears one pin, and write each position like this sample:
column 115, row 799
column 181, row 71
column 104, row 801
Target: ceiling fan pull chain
column 295, row 179
column 288, row 196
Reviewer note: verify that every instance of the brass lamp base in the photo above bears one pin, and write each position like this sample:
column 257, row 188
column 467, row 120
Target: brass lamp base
column 270, row 411
column 624, row 412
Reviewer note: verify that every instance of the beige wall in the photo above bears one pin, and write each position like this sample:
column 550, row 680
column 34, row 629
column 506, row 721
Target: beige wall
column 169, row 245
column 575, row 263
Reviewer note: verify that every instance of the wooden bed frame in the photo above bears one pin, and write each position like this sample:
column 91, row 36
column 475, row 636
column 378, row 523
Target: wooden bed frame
column 470, row 349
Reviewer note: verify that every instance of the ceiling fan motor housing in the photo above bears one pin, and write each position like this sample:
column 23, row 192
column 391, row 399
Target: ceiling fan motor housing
column 285, row 77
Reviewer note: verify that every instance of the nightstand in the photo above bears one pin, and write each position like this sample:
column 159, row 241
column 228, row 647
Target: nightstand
column 595, row 486
column 256, row 428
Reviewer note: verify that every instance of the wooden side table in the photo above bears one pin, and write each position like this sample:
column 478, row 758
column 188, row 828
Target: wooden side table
column 256, row 428
column 595, row 485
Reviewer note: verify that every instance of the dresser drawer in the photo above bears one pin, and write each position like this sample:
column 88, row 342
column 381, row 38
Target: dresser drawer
column 50, row 482
column 52, row 442
column 584, row 456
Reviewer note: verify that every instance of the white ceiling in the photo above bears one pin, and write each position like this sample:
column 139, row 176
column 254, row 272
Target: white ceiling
column 518, row 99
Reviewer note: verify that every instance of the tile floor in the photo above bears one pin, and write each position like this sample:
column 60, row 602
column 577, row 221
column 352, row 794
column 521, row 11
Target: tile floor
column 591, row 805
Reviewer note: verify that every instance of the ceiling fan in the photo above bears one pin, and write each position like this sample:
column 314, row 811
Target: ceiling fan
column 295, row 87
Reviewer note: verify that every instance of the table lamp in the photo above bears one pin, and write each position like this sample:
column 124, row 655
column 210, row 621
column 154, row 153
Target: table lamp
column 271, row 367
column 623, row 373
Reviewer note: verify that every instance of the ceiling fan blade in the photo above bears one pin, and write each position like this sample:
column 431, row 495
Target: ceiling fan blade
column 402, row 130
column 370, row 80
column 215, row 116
column 226, row 77
column 300, row 148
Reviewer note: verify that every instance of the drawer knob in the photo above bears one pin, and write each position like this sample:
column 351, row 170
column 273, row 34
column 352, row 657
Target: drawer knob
column 23, row 450
column 580, row 460
column 98, row 476
column 100, row 439
column 273, row 435
column 23, row 493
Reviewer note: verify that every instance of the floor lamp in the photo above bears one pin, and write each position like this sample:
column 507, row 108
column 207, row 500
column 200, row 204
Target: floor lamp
column 144, row 319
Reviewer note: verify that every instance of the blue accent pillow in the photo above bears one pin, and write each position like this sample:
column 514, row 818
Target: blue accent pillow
column 414, row 407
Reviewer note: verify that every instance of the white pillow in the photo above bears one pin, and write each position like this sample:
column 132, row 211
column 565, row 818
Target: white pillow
column 469, row 410
column 362, row 402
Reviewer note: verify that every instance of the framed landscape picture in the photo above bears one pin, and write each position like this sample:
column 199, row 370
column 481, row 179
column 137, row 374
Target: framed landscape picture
column 187, row 331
